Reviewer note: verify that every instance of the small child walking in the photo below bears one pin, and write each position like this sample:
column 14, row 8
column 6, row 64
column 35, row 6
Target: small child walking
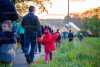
column 48, row 40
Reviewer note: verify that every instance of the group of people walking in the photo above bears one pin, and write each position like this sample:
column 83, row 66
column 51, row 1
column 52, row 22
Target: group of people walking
column 36, row 34
column 29, row 33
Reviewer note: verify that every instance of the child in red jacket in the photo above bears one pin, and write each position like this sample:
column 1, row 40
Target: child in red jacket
column 48, row 40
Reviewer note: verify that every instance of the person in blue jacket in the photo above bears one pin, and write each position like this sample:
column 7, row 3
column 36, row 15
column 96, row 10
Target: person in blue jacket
column 7, row 43
column 70, row 36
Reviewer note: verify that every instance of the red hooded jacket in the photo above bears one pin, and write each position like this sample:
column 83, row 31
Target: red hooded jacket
column 49, row 41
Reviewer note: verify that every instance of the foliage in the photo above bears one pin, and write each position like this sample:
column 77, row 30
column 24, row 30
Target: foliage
column 93, row 24
column 5, row 65
column 22, row 5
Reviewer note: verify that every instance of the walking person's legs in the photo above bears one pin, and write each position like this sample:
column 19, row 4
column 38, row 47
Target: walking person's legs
column 22, row 41
column 50, row 55
column 26, row 47
column 46, row 57
column 70, row 39
column 36, row 48
column 32, row 54
column 33, row 42
column 39, row 47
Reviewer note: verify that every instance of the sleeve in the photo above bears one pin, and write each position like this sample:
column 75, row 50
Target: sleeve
column 55, row 36
column 39, row 29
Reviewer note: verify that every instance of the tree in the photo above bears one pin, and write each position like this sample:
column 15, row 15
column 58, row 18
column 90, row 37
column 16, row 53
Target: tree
column 93, row 24
column 21, row 5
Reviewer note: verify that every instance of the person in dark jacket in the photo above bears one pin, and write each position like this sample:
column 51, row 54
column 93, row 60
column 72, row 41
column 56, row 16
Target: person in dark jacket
column 32, row 28
column 70, row 36
column 7, row 11
column 7, row 43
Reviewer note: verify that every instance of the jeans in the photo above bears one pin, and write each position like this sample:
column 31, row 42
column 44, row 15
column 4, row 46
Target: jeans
column 39, row 47
column 22, row 41
column 7, row 53
column 29, row 46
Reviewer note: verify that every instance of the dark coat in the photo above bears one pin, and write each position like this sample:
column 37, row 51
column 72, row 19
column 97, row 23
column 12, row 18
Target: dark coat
column 7, row 38
column 70, row 35
column 31, row 24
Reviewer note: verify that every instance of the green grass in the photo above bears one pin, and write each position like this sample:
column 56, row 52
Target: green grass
column 75, row 54
column 5, row 65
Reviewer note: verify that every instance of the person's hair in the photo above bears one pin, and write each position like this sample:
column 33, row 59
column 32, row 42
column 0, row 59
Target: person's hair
column 70, row 30
column 46, row 27
column 57, row 30
column 31, row 8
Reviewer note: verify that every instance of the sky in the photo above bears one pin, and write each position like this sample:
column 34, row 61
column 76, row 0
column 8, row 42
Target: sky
column 59, row 7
